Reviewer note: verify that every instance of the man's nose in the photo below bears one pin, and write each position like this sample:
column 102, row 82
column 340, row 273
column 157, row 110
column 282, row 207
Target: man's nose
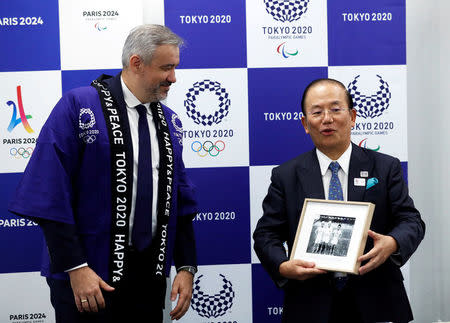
column 172, row 78
column 327, row 116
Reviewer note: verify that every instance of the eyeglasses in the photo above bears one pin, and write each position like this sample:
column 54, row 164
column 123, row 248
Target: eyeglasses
column 318, row 113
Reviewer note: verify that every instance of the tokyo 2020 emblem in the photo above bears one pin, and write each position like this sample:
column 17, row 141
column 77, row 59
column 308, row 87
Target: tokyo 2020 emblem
column 286, row 11
column 176, row 122
column 86, row 121
column 194, row 112
column 370, row 106
column 212, row 305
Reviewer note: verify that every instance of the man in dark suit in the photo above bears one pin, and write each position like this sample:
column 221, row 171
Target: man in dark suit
column 314, row 295
column 108, row 186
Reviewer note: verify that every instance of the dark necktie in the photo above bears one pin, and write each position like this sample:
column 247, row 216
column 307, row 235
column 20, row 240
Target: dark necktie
column 335, row 193
column 335, row 189
column 142, row 226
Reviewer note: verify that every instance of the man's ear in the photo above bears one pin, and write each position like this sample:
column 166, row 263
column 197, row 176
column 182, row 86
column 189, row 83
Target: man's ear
column 353, row 116
column 136, row 64
column 305, row 124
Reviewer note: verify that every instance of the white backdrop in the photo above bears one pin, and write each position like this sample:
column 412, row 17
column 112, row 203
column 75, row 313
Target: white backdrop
column 429, row 153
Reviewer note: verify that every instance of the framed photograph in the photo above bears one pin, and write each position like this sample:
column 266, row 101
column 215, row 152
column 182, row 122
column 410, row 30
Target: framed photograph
column 333, row 234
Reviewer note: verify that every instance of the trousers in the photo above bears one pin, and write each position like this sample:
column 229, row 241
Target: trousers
column 140, row 299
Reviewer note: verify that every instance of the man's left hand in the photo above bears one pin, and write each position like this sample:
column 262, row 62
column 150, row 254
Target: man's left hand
column 383, row 248
column 182, row 286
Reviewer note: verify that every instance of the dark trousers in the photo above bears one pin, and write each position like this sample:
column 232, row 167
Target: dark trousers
column 344, row 308
column 139, row 300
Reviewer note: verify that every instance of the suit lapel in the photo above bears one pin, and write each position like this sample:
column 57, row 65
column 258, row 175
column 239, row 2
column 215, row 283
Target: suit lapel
column 359, row 162
column 308, row 173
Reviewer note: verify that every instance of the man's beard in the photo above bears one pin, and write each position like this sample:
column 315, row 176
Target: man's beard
column 157, row 93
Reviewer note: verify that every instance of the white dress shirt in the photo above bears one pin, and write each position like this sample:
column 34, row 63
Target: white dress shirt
column 133, row 119
column 344, row 162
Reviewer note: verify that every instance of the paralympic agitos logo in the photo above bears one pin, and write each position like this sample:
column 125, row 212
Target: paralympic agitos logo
column 363, row 143
column 281, row 49
column 100, row 27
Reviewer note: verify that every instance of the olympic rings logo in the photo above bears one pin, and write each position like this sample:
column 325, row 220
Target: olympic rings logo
column 21, row 152
column 89, row 139
column 208, row 148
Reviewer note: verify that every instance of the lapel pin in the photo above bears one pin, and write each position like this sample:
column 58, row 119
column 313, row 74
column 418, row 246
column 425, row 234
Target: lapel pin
column 359, row 182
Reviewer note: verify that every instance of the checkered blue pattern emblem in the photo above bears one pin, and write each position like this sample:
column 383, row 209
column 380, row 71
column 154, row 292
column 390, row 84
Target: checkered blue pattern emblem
column 223, row 103
column 286, row 11
column 370, row 106
column 335, row 190
column 212, row 305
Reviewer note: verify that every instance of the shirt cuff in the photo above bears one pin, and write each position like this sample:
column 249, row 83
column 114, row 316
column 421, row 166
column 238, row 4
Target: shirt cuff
column 396, row 258
column 79, row 266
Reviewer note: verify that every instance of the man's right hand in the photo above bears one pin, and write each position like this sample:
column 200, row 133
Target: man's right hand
column 299, row 269
column 87, row 289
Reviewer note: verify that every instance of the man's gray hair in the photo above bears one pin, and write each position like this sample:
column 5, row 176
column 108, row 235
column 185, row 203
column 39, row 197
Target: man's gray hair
column 143, row 41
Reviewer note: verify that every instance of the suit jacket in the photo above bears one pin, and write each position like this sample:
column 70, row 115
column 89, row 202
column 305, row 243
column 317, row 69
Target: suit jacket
column 67, row 183
column 380, row 294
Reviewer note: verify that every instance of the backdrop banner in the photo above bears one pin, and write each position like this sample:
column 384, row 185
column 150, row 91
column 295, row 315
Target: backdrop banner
column 243, row 70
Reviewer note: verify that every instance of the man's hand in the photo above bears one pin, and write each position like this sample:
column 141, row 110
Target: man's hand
column 299, row 269
column 87, row 289
column 182, row 286
column 383, row 248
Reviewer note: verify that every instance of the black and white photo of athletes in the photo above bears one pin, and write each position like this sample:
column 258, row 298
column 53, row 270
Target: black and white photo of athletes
column 331, row 235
